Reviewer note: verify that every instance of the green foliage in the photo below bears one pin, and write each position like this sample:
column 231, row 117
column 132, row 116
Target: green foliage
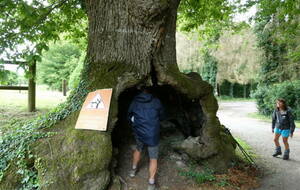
column 223, row 182
column 15, row 146
column 274, row 54
column 37, row 22
column 75, row 75
column 194, row 13
column 278, row 32
column 266, row 96
column 199, row 177
column 58, row 63
column 230, row 90
column 209, row 68
column 238, row 58
column 247, row 148
column 8, row 77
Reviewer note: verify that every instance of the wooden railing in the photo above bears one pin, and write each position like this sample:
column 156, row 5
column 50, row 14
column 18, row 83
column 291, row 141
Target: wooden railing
column 31, row 84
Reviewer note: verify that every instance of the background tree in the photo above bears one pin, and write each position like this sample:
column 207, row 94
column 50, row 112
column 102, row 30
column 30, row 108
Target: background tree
column 74, row 78
column 58, row 63
column 188, row 54
column 238, row 58
column 8, row 77
column 278, row 31
column 210, row 68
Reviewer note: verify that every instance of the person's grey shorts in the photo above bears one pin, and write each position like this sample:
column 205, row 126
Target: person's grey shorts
column 152, row 150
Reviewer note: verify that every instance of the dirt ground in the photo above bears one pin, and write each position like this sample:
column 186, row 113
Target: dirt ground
column 173, row 166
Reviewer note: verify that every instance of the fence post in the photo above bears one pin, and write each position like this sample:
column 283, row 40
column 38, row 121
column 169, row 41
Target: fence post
column 64, row 87
column 31, row 87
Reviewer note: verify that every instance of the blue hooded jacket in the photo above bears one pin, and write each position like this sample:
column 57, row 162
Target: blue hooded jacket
column 145, row 113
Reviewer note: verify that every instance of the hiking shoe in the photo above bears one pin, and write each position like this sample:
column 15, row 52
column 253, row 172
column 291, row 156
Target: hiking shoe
column 152, row 187
column 132, row 172
column 277, row 151
column 286, row 154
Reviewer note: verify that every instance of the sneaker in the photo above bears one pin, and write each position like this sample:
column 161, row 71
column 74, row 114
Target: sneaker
column 152, row 187
column 277, row 151
column 132, row 172
column 286, row 155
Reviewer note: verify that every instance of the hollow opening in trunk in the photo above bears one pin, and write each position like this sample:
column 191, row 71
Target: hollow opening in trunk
column 184, row 118
column 182, row 115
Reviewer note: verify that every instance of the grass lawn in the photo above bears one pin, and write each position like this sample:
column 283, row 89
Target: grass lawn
column 256, row 115
column 246, row 147
column 13, row 105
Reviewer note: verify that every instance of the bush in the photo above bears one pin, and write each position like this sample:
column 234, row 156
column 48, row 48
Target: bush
column 266, row 96
column 75, row 75
column 8, row 77
column 58, row 63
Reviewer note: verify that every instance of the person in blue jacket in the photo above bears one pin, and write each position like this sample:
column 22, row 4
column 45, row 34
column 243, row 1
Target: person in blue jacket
column 282, row 125
column 145, row 113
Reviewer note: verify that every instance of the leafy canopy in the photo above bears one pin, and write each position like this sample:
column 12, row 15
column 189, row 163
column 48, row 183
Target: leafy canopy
column 278, row 32
column 58, row 63
column 29, row 25
column 26, row 26
column 7, row 77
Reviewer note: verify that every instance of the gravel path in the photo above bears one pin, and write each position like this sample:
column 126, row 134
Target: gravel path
column 280, row 174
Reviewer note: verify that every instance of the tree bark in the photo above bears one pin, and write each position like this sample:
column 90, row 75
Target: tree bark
column 130, row 42
column 231, row 92
column 245, row 90
column 32, row 88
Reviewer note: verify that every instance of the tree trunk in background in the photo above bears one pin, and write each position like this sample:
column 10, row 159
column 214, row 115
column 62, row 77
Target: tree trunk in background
column 32, row 88
column 218, row 89
column 64, row 87
column 231, row 90
column 245, row 90
column 130, row 42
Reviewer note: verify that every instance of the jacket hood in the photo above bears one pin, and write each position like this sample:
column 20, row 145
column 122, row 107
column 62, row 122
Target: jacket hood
column 144, row 97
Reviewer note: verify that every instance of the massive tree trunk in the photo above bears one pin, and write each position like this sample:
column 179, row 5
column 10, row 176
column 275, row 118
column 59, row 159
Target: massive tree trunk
column 130, row 42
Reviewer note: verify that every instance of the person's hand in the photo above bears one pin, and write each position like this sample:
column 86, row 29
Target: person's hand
column 291, row 135
column 272, row 130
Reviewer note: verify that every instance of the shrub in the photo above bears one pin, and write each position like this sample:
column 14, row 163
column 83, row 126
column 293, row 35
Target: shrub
column 74, row 78
column 266, row 96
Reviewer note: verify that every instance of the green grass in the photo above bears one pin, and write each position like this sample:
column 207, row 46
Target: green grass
column 231, row 99
column 198, row 177
column 203, row 174
column 13, row 105
column 18, row 100
column 197, row 173
column 246, row 147
column 261, row 117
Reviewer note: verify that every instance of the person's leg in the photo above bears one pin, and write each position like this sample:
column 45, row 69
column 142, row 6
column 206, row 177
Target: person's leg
column 136, row 158
column 286, row 143
column 276, row 138
column 153, row 155
column 152, row 170
column 276, row 141
column 285, row 136
column 137, row 154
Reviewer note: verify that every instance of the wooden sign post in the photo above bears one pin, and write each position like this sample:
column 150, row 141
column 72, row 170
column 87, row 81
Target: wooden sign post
column 94, row 112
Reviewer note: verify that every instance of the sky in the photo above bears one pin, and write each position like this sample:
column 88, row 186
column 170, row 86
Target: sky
column 14, row 68
column 245, row 16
